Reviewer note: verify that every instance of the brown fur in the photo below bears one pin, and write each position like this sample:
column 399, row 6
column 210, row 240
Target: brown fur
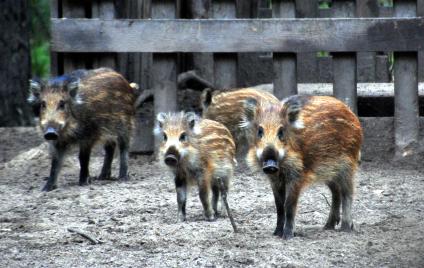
column 313, row 139
column 86, row 107
column 227, row 108
column 205, row 155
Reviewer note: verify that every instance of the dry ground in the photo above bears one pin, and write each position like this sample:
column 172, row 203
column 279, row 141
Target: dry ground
column 136, row 221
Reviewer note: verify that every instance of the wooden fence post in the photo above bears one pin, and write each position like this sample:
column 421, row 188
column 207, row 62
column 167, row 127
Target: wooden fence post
column 406, row 91
column 73, row 9
column 344, row 64
column 202, row 62
column 164, row 65
column 104, row 9
column 285, row 64
column 225, row 64
column 420, row 13
column 366, row 61
column 139, row 69
column 54, row 56
column 307, row 63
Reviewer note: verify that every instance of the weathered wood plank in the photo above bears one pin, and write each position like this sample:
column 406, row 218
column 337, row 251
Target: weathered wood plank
column 225, row 64
column 345, row 78
column 250, row 35
column 164, row 65
column 202, row 62
column 54, row 57
column 307, row 63
column 284, row 64
column 104, row 9
column 406, row 91
column 140, row 69
column 73, row 9
column 344, row 63
column 285, row 75
column 382, row 70
column 366, row 61
column 406, row 103
column 420, row 13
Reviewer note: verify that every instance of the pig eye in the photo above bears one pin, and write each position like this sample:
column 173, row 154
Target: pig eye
column 280, row 133
column 260, row 132
column 183, row 137
column 165, row 137
column 61, row 105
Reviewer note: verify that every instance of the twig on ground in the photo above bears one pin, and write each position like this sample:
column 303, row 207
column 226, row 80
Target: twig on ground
column 326, row 200
column 227, row 207
column 86, row 236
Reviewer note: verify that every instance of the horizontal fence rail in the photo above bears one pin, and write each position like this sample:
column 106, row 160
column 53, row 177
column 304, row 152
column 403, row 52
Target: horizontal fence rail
column 238, row 35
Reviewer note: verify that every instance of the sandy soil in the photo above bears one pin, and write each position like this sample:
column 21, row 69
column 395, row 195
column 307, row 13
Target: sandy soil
column 135, row 222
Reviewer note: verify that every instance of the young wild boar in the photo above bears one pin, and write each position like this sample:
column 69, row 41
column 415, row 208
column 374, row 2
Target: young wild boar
column 83, row 108
column 198, row 151
column 303, row 140
column 227, row 107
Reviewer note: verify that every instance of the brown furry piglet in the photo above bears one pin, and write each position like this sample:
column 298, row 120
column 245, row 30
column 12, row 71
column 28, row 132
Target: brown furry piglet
column 83, row 108
column 226, row 107
column 305, row 140
column 198, row 152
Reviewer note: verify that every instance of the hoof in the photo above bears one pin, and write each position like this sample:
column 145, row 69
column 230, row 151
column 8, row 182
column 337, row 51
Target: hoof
column 329, row 226
column 210, row 218
column 347, row 227
column 278, row 232
column 86, row 181
column 288, row 235
column 125, row 178
column 49, row 187
column 105, row 177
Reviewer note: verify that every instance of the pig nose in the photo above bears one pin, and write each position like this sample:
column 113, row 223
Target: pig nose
column 269, row 161
column 171, row 156
column 171, row 160
column 50, row 134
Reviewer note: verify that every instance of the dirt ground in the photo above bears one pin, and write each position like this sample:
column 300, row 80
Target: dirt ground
column 135, row 222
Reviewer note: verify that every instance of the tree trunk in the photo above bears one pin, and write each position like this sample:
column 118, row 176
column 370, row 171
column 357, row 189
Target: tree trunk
column 15, row 64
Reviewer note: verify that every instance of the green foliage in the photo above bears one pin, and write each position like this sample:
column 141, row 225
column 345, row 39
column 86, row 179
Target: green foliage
column 324, row 5
column 385, row 3
column 40, row 35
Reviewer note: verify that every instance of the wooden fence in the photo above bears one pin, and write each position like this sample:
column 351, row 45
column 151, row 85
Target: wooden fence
column 230, row 42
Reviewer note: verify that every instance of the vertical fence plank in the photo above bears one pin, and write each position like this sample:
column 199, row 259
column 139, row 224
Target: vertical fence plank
column 202, row 62
column 225, row 64
column 285, row 64
column 406, row 91
column 104, row 9
column 366, row 60
column 254, row 68
column 307, row 63
column 382, row 68
column 420, row 13
column 344, row 64
column 138, row 69
column 164, row 65
column 73, row 9
column 54, row 57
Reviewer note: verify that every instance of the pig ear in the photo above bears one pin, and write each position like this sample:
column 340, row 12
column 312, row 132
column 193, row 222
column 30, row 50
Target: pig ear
column 160, row 120
column 206, row 98
column 193, row 122
column 72, row 88
column 290, row 110
column 249, row 105
column 34, row 92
